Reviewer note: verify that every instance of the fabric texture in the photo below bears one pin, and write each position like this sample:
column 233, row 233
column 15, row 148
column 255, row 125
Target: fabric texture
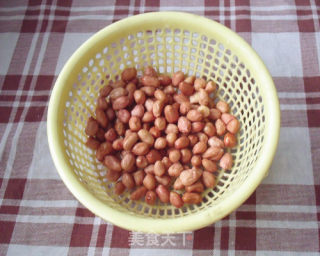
column 39, row 216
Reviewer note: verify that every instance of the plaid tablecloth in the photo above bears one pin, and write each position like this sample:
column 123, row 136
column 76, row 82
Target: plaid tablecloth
column 39, row 216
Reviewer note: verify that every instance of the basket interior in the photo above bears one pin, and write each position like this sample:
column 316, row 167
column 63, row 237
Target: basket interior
column 169, row 50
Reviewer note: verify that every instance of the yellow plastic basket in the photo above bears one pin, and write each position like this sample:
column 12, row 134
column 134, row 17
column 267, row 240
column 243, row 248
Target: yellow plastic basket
column 169, row 41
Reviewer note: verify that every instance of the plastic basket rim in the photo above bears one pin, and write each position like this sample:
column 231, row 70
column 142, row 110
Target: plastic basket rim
column 180, row 224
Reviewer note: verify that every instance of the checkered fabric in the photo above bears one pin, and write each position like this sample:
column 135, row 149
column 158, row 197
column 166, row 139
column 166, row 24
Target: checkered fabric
column 39, row 216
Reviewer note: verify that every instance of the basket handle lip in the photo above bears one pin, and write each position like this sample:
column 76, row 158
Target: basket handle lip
column 180, row 224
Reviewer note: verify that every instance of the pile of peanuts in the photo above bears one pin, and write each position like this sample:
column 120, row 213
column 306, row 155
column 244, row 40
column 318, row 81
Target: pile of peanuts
column 162, row 137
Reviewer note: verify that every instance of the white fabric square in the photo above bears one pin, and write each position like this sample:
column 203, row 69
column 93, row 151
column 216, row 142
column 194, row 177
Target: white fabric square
column 15, row 249
column 280, row 52
column 71, row 43
column 8, row 43
column 42, row 166
column 292, row 163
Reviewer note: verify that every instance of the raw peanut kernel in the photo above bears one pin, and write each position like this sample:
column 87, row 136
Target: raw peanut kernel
column 128, row 74
column 175, row 199
column 194, row 115
column 150, row 81
column 191, row 198
column 163, row 193
column 186, row 88
column 230, row 140
column 184, row 125
column 171, row 114
column 177, row 78
column 150, row 197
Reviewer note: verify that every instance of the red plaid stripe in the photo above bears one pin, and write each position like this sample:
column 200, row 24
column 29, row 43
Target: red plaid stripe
column 39, row 212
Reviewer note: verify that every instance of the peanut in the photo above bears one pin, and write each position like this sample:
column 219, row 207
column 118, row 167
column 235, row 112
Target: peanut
column 150, row 197
column 175, row 169
column 119, row 188
column 150, row 81
column 185, row 107
column 138, row 111
column 174, row 155
column 110, row 135
column 163, row 193
column 209, row 165
column 104, row 149
column 199, row 148
column 209, row 129
column 214, row 153
column 199, row 83
column 226, row 161
column 118, row 92
column 211, row 87
column 175, row 199
column 149, row 181
column 193, row 139
column 129, row 141
column 164, row 180
column 160, row 123
column 140, row 149
column 178, row 184
column 150, row 71
column 220, row 127
column 230, row 140
column 146, row 137
column 102, row 118
column 196, row 161
column 155, row 132
column 215, row 142
column 196, row 187
column 191, row 198
column 119, row 127
column 134, row 123
column 160, row 143
column 124, row 115
column 184, row 125
column 105, row 91
column 159, row 168
column 222, row 106
column 190, row 176
column 233, row 126
column 186, row 88
column 92, row 143
column 128, row 74
column 138, row 177
column 118, row 144
column 214, row 114
column 128, row 162
column 182, row 142
column 208, row 179
column 153, row 156
column 141, row 162
column 102, row 103
column 185, row 155
column 112, row 163
column 194, row 115
column 139, row 97
column 112, row 175
column 226, row 117
column 177, row 78
column 171, row 114
column 164, row 80
column 138, row 193
column 171, row 128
